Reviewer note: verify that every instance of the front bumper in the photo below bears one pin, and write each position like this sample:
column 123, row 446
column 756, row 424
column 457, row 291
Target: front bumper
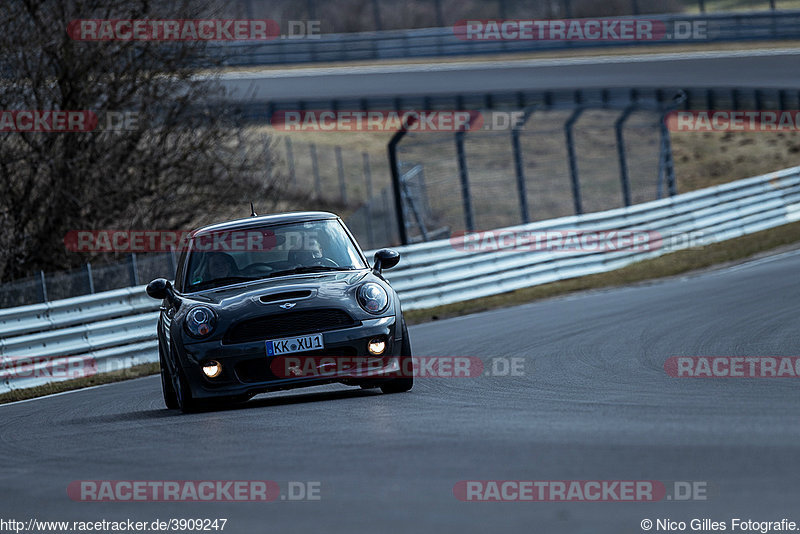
column 247, row 370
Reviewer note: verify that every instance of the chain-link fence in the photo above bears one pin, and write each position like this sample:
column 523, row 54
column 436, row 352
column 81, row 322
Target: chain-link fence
column 44, row 287
column 558, row 163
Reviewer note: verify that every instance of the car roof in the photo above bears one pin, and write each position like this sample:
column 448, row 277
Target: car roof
column 265, row 220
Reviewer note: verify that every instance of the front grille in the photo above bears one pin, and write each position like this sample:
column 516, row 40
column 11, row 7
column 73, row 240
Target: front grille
column 258, row 370
column 288, row 324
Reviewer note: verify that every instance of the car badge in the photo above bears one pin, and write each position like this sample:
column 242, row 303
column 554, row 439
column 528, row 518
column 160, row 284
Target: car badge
column 288, row 305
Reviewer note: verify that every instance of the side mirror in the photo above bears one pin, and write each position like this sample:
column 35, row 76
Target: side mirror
column 385, row 258
column 161, row 289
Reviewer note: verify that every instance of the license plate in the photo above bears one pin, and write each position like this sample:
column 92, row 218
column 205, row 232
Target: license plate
column 289, row 345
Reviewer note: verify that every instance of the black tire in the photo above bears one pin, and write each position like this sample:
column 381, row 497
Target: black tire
column 401, row 385
column 167, row 389
column 186, row 402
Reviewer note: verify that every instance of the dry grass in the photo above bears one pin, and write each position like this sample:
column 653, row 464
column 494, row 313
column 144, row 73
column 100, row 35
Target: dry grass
column 672, row 264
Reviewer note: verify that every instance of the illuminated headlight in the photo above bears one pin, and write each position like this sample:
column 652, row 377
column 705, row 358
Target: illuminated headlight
column 212, row 369
column 376, row 346
column 200, row 321
column 373, row 298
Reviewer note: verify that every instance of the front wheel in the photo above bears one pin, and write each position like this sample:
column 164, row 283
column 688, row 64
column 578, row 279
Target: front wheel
column 186, row 402
column 401, row 385
column 167, row 389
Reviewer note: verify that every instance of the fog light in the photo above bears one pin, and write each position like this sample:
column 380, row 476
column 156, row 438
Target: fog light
column 376, row 346
column 212, row 369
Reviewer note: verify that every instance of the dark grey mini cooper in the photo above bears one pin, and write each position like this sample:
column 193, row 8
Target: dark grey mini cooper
column 278, row 302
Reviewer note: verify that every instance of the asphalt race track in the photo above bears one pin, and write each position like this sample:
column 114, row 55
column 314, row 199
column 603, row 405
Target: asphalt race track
column 594, row 404
column 775, row 68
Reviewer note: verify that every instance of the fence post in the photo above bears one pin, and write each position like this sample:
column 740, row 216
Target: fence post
column 666, row 169
column 134, row 270
column 173, row 262
column 368, row 203
column 43, row 286
column 376, row 14
column 619, row 124
column 463, row 174
column 702, row 4
column 90, row 277
column 340, row 171
column 315, row 169
column 290, row 160
column 573, row 161
column 387, row 227
column 439, row 13
column 394, row 167
column 519, row 165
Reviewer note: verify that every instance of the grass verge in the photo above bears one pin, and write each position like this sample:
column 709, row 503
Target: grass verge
column 671, row 264
column 137, row 371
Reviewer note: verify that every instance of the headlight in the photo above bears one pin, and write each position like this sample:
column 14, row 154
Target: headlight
column 200, row 321
column 373, row 298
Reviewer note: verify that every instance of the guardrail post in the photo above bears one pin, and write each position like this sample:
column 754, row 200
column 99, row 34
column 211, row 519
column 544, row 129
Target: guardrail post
column 702, row 5
column 43, row 286
column 394, row 167
column 90, row 277
column 340, row 172
column 463, row 174
column 573, row 161
column 623, row 164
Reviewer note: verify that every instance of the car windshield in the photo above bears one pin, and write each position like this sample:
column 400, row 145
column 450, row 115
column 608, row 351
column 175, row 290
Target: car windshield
column 234, row 256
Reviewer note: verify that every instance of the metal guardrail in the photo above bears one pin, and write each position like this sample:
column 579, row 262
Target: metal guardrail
column 440, row 42
column 116, row 330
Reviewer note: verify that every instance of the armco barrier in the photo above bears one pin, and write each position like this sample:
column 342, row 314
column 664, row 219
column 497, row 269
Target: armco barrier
column 116, row 330
column 442, row 42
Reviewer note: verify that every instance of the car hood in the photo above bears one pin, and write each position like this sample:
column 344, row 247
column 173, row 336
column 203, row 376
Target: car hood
column 323, row 286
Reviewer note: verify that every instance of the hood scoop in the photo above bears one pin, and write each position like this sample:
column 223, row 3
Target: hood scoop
column 286, row 295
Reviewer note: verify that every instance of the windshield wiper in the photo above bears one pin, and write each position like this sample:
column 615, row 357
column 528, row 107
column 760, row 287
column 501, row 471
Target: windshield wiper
column 310, row 269
column 217, row 282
